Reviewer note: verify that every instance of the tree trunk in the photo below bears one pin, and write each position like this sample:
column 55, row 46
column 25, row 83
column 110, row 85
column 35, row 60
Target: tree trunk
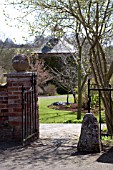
column 79, row 86
column 74, row 97
column 102, row 76
column 109, row 123
column 107, row 100
column 67, row 98
column 79, row 105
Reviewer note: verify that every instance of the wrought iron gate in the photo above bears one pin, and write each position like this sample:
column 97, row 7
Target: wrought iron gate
column 93, row 87
column 29, row 112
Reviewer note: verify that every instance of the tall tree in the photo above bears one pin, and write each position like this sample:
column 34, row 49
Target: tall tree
column 58, row 25
column 95, row 17
column 66, row 78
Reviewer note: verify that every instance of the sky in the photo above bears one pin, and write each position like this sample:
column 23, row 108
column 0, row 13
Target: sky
column 9, row 27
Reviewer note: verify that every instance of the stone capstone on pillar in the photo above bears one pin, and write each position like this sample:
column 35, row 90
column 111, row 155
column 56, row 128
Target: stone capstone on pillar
column 20, row 63
column 89, row 140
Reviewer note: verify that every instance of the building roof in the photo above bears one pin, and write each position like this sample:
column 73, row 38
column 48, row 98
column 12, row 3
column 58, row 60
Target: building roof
column 56, row 46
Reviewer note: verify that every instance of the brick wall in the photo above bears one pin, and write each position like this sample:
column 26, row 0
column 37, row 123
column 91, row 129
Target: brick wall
column 6, row 132
column 3, row 104
column 11, row 104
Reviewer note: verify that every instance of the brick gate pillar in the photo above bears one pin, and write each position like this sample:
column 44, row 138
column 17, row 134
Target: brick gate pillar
column 14, row 86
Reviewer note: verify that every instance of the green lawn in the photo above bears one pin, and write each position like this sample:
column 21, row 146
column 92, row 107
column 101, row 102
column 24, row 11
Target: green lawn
column 48, row 115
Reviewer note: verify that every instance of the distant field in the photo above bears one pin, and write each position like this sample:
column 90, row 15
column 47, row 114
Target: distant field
column 48, row 115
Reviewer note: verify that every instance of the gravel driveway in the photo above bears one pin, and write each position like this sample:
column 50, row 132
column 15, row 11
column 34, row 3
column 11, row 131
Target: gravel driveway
column 55, row 150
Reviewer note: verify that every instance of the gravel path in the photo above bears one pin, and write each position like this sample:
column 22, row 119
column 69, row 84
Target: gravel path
column 55, row 150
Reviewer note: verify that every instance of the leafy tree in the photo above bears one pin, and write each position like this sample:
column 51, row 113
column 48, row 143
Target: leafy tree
column 6, row 54
column 43, row 74
column 95, row 18
column 72, row 70
column 59, row 26
column 66, row 77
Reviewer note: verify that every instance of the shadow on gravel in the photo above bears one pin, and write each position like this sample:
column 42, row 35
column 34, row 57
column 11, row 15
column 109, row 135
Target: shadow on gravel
column 106, row 157
column 9, row 145
column 80, row 153
column 41, row 151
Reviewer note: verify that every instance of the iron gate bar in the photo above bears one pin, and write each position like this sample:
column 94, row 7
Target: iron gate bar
column 111, row 105
column 100, row 112
column 35, row 102
column 99, row 92
column 29, row 111
column 89, row 98
column 23, row 95
column 32, row 111
column 25, row 116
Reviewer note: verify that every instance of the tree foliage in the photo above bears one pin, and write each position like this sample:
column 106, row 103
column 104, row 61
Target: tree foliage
column 43, row 76
column 95, row 20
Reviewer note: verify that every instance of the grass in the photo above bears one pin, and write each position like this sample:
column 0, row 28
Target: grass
column 48, row 115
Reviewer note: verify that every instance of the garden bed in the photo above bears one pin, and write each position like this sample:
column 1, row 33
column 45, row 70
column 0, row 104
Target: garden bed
column 70, row 107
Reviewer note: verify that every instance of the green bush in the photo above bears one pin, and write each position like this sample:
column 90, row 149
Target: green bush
column 94, row 100
column 102, row 119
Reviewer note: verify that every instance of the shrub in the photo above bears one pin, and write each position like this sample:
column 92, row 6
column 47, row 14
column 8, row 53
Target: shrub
column 40, row 91
column 50, row 90
column 94, row 100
